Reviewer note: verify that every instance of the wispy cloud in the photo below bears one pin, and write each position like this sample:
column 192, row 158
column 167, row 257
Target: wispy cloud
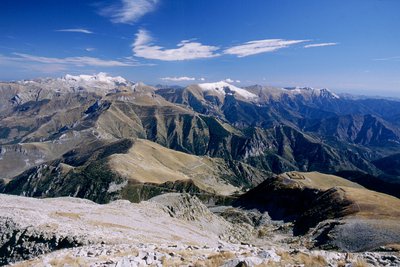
column 260, row 46
column 21, row 64
column 129, row 11
column 178, row 79
column 79, row 30
column 5, row 59
column 397, row 58
column 229, row 80
column 187, row 49
column 320, row 45
column 76, row 61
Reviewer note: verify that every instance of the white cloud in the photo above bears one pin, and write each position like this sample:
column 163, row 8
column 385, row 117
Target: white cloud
column 90, row 49
column 229, row 80
column 187, row 49
column 178, row 79
column 77, row 61
column 202, row 79
column 129, row 11
column 397, row 58
column 75, row 30
column 319, row 45
column 260, row 46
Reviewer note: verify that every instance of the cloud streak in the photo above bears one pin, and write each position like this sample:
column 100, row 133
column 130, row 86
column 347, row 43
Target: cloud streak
column 260, row 46
column 397, row 58
column 186, row 49
column 76, row 61
column 129, row 11
column 178, row 79
column 320, row 45
column 229, row 80
column 78, row 30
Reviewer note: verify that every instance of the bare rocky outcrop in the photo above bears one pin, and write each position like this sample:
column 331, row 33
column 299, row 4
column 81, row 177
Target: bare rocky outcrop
column 190, row 208
column 21, row 243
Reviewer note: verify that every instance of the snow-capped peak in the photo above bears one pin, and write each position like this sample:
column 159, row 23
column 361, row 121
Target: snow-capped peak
column 220, row 87
column 100, row 83
column 327, row 92
column 324, row 92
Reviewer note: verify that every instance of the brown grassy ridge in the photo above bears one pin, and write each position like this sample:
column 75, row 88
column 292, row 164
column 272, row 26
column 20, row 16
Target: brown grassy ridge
column 148, row 162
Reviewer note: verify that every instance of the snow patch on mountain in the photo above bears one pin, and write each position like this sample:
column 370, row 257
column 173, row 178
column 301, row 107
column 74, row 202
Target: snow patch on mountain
column 324, row 92
column 224, row 88
column 100, row 83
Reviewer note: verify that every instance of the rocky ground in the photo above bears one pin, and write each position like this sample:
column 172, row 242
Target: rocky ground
column 225, row 254
column 168, row 230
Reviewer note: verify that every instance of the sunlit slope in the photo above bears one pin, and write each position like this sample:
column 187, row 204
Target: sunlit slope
column 148, row 162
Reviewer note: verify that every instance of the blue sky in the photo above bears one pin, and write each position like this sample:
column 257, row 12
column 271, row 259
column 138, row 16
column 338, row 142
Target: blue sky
column 345, row 45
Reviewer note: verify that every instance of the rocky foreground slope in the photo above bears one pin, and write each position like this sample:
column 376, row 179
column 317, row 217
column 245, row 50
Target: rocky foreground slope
column 169, row 230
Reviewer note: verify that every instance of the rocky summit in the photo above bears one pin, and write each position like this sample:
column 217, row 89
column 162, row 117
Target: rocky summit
column 98, row 170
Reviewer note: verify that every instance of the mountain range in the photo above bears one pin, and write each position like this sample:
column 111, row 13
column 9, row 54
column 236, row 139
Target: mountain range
column 244, row 134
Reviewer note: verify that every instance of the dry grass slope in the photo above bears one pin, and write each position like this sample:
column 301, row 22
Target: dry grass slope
column 148, row 162
column 319, row 180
